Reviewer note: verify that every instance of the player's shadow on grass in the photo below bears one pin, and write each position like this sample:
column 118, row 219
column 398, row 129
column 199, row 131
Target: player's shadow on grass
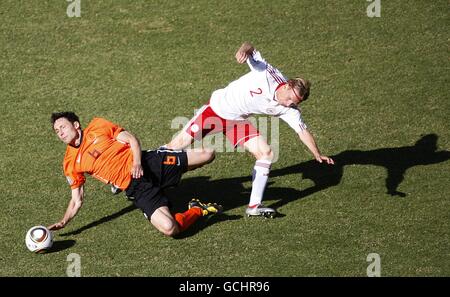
column 235, row 192
column 396, row 160
column 203, row 223
column 101, row 221
column 232, row 193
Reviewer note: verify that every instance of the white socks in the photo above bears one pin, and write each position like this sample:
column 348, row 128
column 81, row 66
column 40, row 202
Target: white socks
column 260, row 177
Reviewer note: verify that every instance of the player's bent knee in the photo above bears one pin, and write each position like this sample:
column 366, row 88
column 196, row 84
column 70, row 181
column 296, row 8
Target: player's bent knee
column 205, row 156
column 265, row 155
column 209, row 155
column 170, row 229
column 164, row 224
column 270, row 155
column 171, row 232
column 199, row 158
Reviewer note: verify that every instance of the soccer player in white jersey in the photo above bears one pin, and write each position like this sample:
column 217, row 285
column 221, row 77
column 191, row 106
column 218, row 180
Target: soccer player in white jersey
column 263, row 90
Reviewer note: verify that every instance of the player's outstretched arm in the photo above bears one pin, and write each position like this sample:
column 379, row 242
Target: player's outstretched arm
column 243, row 52
column 72, row 209
column 310, row 143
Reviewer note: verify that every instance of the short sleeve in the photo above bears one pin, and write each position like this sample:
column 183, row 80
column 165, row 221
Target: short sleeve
column 110, row 129
column 293, row 118
column 76, row 182
column 75, row 179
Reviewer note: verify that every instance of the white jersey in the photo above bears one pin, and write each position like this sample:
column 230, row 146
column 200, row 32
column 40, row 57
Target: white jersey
column 254, row 93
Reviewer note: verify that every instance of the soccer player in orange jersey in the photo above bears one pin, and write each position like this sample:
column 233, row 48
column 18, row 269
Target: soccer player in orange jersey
column 114, row 156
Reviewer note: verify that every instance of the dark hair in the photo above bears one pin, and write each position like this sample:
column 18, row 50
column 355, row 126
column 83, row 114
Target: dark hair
column 70, row 116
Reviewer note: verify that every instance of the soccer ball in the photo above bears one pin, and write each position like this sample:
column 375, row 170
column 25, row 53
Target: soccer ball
column 39, row 239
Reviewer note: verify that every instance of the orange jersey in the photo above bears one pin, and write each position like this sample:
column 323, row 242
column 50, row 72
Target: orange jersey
column 99, row 155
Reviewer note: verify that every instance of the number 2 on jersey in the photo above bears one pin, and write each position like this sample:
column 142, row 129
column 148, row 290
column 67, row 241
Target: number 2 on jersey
column 258, row 91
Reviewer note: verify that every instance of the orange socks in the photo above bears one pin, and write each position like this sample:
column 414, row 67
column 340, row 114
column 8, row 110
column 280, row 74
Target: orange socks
column 188, row 217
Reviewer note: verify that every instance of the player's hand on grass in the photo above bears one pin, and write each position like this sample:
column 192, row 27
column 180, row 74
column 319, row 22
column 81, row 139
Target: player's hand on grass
column 328, row 160
column 136, row 170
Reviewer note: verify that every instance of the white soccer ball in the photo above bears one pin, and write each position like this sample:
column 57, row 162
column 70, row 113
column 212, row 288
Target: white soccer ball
column 39, row 239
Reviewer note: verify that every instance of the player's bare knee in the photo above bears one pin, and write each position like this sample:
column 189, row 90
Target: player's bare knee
column 209, row 155
column 169, row 229
column 202, row 157
column 269, row 155
column 266, row 154
column 171, row 232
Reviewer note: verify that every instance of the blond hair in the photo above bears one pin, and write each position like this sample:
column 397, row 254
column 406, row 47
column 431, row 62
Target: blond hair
column 302, row 85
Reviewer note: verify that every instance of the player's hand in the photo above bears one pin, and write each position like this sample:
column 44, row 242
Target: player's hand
column 328, row 160
column 57, row 226
column 241, row 56
column 137, row 171
column 243, row 52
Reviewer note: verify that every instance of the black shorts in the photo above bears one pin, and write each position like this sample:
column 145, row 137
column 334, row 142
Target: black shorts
column 162, row 169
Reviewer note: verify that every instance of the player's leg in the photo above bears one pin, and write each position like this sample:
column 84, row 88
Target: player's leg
column 259, row 148
column 199, row 157
column 170, row 225
column 173, row 165
column 181, row 141
column 163, row 220
column 154, row 205
column 205, row 121
column 167, row 166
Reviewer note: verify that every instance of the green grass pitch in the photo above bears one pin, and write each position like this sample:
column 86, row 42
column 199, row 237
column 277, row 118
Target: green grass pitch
column 379, row 105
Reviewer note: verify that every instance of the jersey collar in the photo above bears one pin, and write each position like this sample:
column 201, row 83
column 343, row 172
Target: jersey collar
column 275, row 93
column 81, row 140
